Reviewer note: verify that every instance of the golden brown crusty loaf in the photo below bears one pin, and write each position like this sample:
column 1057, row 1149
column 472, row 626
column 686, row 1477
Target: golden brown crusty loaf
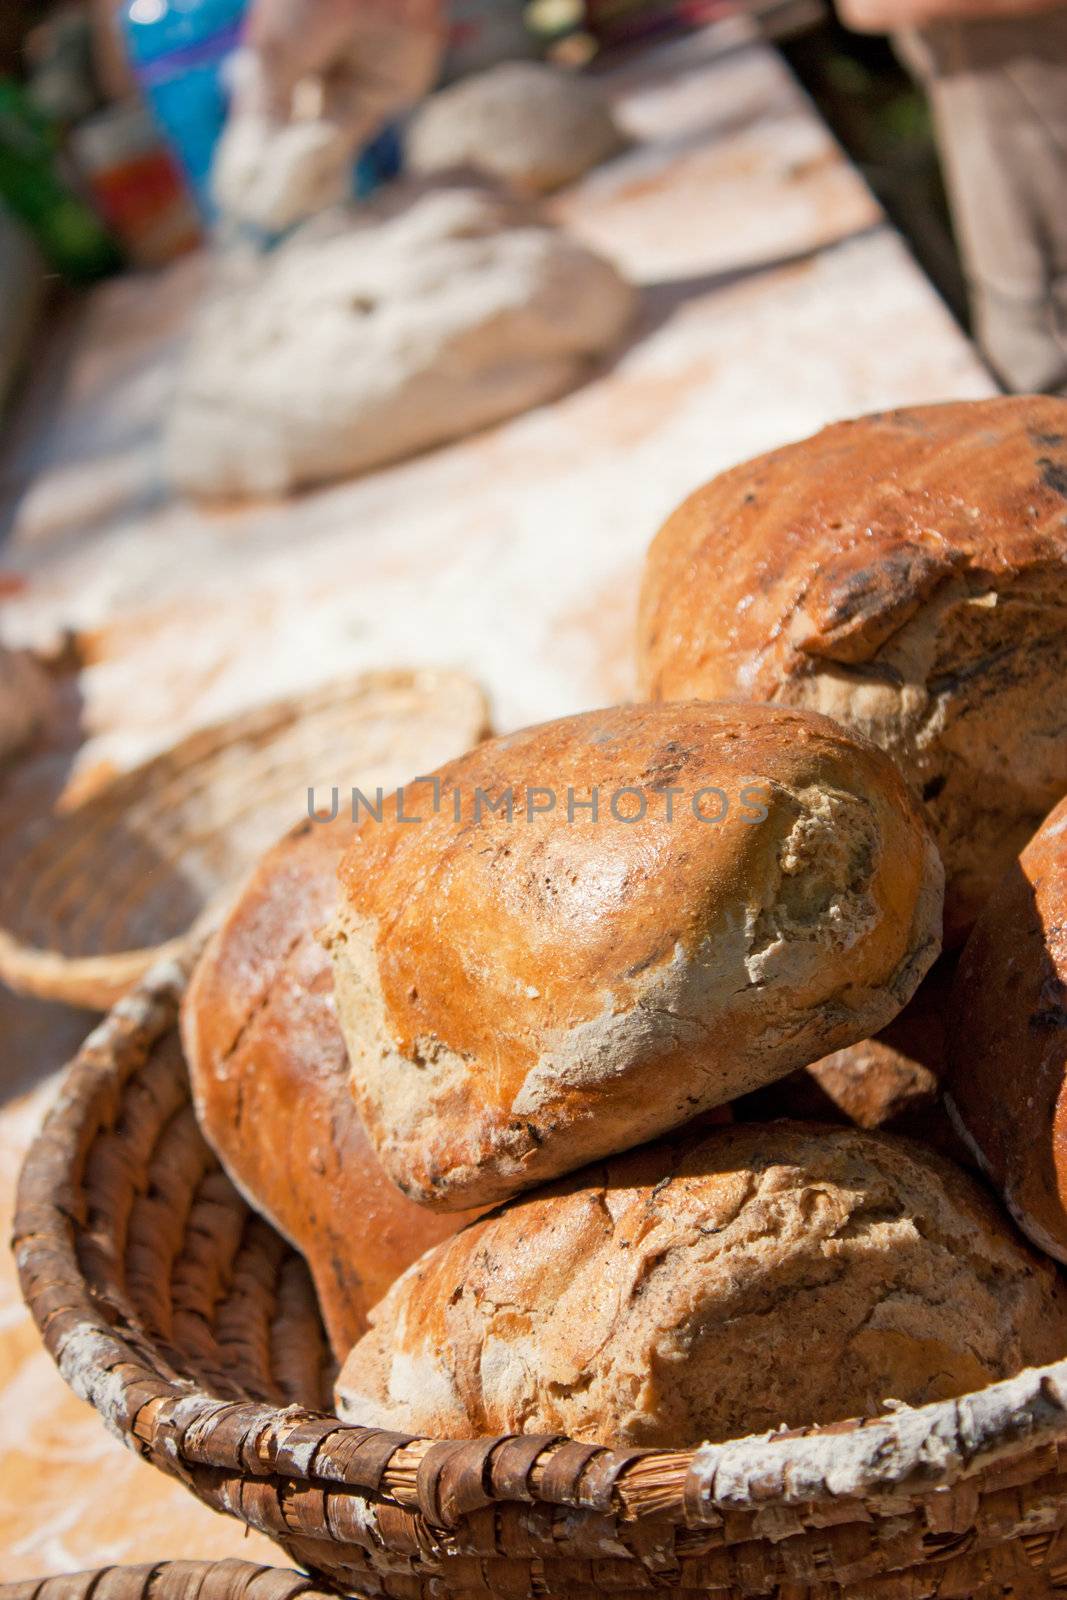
column 522, row 996
column 906, row 574
column 707, row 1288
column 270, row 1083
column 1007, row 1038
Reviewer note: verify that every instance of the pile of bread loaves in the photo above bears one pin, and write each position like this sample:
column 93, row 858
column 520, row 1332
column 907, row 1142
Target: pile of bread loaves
column 572, row 975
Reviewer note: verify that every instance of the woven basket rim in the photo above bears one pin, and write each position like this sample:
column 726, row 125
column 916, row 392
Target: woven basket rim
column 98, row 980
column 909, row 1451
column 229, row 1578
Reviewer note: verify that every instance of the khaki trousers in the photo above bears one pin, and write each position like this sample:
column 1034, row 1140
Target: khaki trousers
column 998, row 90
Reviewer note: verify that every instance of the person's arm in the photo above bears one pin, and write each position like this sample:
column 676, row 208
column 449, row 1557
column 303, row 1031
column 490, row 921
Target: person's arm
column 887, row 16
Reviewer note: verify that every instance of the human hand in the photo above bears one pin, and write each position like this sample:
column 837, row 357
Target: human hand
column 315, row 81
column 376, row 55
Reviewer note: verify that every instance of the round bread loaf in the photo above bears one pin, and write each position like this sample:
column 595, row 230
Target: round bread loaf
column 524, row 993
column 906, row 574
column 708, row 1288
column 269, row 1074
column 1007, row 1038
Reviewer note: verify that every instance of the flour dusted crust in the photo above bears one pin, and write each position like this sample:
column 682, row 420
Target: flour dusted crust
column 266, row 1057
column 269, row 1073
column 357, row 344
column 710, row 1287
column 1007, row 1054
column 906, row 574
column 533, row 126
column 519, row 997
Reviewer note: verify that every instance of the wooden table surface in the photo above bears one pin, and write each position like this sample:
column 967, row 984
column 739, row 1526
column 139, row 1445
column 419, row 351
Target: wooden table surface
column 775, row 298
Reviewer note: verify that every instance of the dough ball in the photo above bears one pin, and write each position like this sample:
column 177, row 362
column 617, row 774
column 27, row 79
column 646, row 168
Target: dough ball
column 352, row 347
column 531, row 126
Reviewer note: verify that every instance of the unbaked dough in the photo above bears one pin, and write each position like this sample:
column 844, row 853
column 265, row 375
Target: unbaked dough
column 412, row 324
column 270, row 175
column 531, row 126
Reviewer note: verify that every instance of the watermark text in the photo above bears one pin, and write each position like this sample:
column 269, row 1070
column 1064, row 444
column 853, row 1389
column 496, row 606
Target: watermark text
column 415, row 802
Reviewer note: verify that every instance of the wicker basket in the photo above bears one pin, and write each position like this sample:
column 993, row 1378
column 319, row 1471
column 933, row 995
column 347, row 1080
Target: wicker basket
column 171, row 1580
column 92, row 897
column 193, row 1329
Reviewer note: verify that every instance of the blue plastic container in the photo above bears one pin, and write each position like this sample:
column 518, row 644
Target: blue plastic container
column 179, row 50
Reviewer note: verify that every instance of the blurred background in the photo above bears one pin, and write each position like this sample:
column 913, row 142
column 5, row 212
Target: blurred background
column 111, row 111
column 109, row 114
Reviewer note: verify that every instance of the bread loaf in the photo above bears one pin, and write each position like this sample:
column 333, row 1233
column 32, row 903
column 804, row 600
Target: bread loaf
column 523, row 994
column 709, row 1288
column 1007, row 1050
column 269, row 1074
column 906, row 574
column 890, row 1082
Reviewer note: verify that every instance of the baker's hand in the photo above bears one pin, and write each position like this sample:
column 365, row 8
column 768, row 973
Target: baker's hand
column 314, row 82
column 373, row 56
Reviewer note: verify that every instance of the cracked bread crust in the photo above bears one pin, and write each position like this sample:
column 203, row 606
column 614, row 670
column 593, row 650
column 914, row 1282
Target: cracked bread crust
column 1007, row 1038
column 521, row 997
column 891, row 1082
column 709, row 1287
column 905, row 573
column 269, row 1074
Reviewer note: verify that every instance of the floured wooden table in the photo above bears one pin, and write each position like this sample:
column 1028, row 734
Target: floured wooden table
column 775, row 299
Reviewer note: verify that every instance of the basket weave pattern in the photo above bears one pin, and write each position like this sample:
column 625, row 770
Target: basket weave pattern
column 171, row 1580
column 193, row 1328
column 92, row 897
